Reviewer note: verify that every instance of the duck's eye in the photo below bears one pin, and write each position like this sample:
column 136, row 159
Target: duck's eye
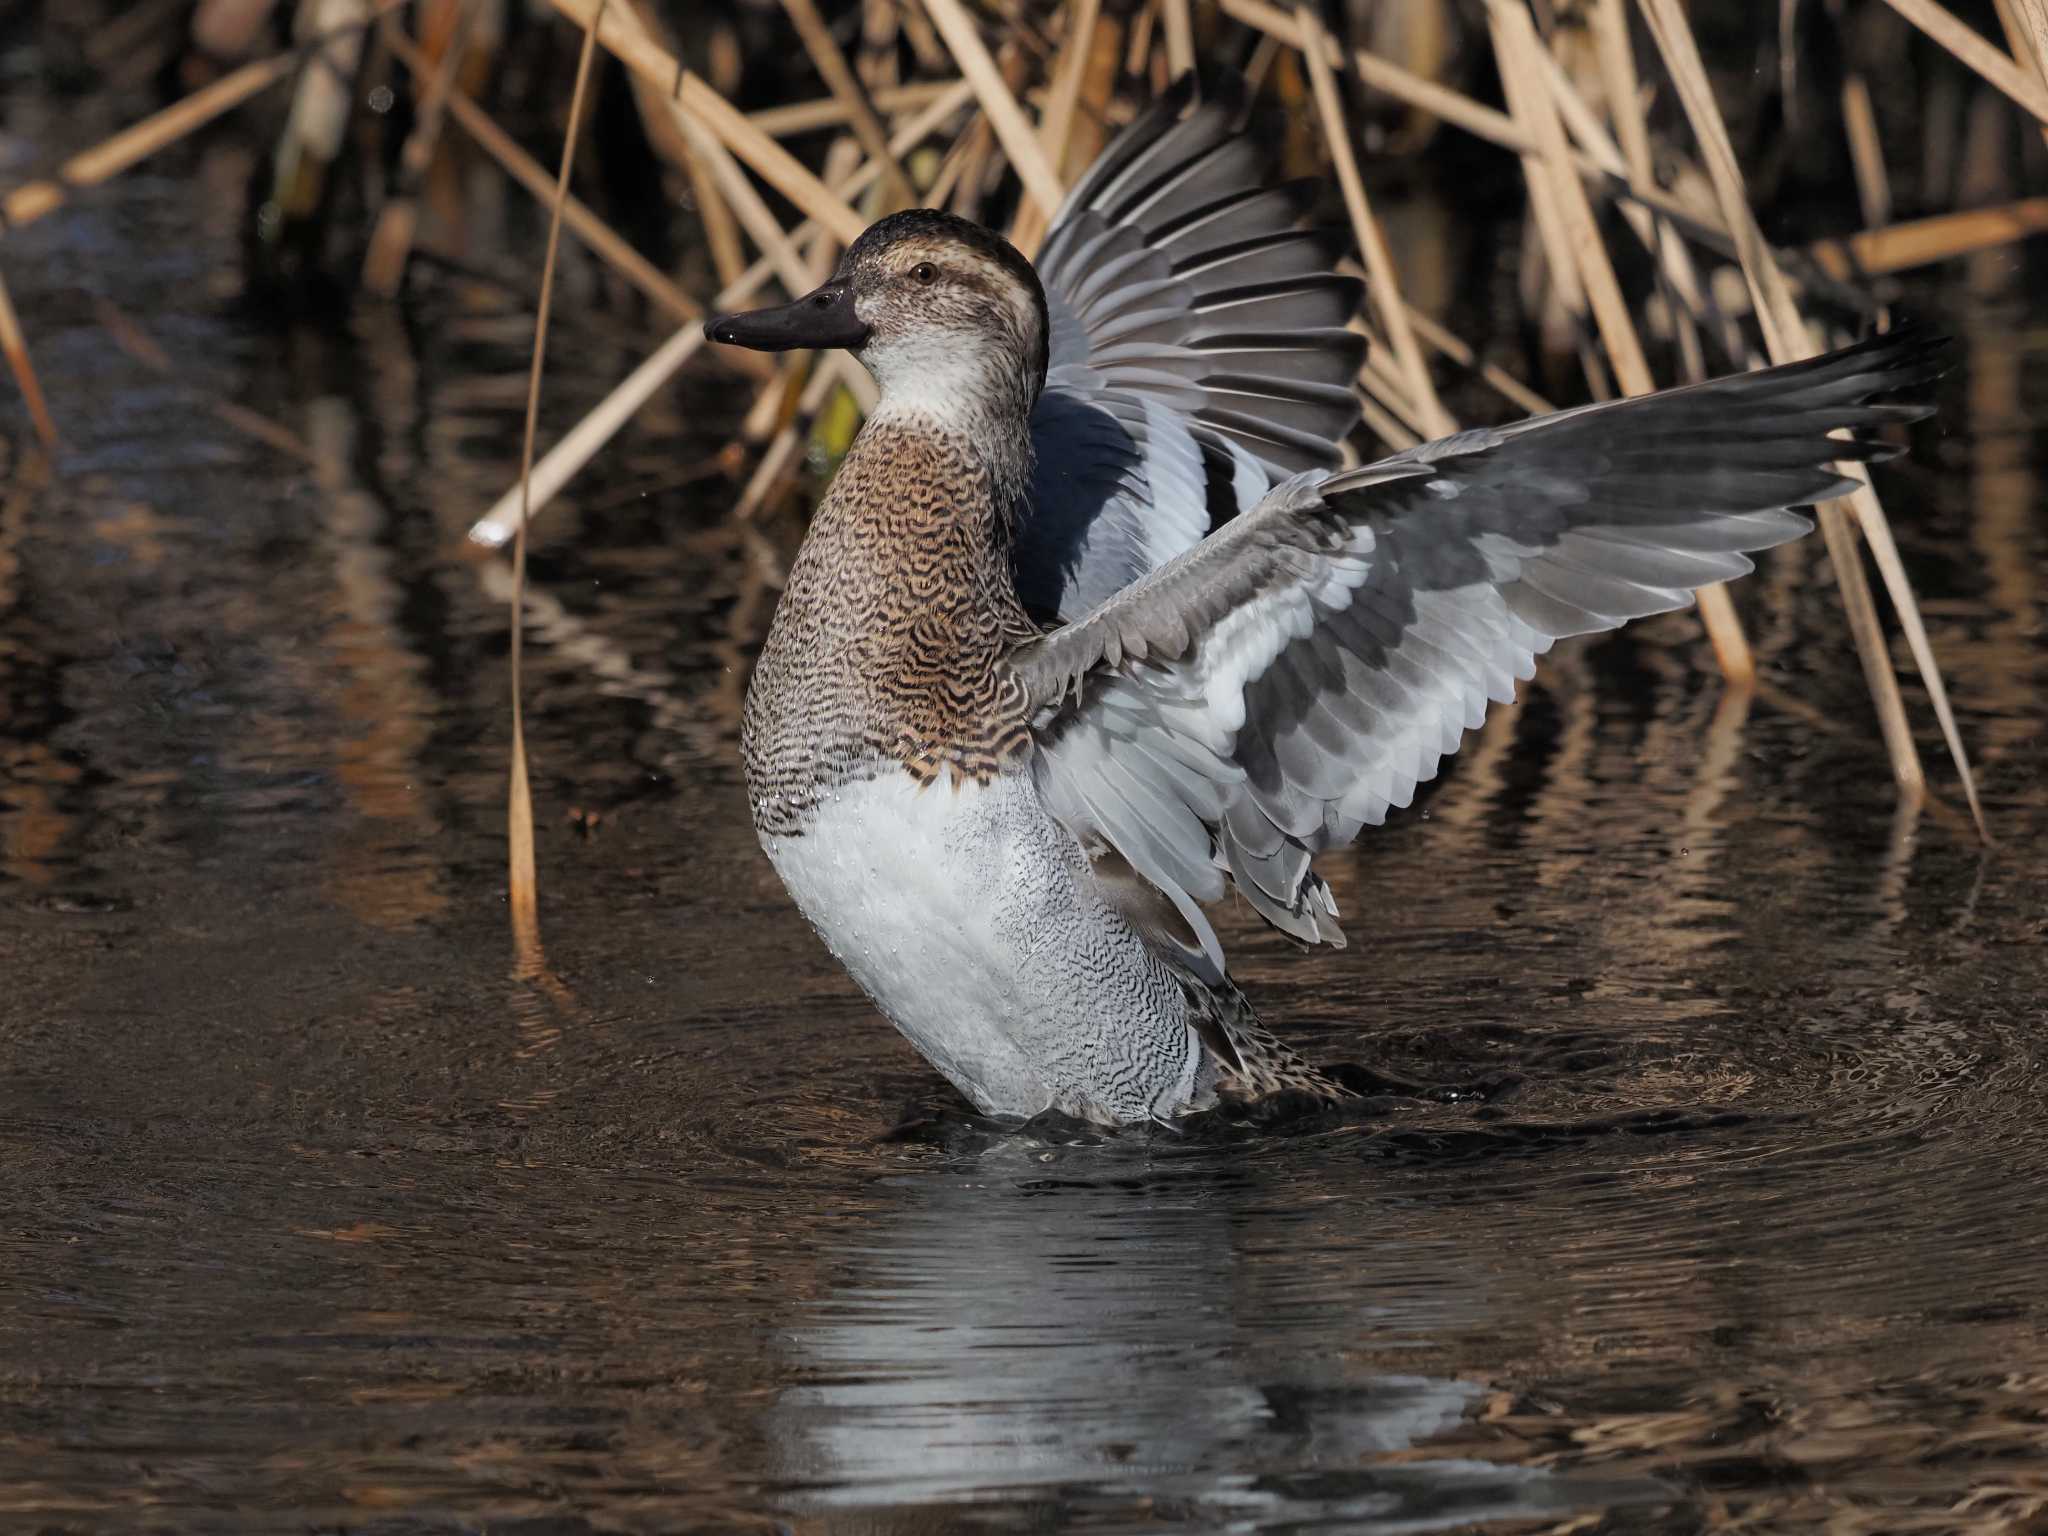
column 925, row 273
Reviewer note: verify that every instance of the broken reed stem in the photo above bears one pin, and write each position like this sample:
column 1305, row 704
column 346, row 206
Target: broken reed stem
column 391, row 241
column 844, row 84
column 1012, row 129
column 15, row 345
column 26, row 204
column 1384, row 283
column 523, row 878
column 1786, row 339
column 1979, row 55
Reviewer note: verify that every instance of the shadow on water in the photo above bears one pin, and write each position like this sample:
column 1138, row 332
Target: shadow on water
column 1699, row 1182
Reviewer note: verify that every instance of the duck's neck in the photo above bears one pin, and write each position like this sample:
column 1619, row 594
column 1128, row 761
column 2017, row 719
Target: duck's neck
column 982, row 435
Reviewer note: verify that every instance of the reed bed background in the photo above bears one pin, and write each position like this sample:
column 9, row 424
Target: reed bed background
column 1675, row 192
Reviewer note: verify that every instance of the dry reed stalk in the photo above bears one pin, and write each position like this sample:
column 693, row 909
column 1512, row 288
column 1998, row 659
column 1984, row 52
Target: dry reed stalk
column 529, row 173
column 845, row 85
column 1574, row 238
column 1535, row 88
column 1980, row 56
column 1007, row 120
column 25, row 204
column 952, row 167
column 1476, row 118
column 1680, row 276
column 1384, row 283
column 582, row 443
column 1100, row 76
column 1560, row 304
column 15, row 345
column 2027, row 23
column 830, row 111
column 1866, row 153
column 391, row 241
column 1057, row 122
column 1264, row 52
column 1381, row 74
column 1139, row 45
column 2027, row 36
column 1787, row 341
column 524, row 884
column 622, row 35
column 1379, row 375
column 1918, row 242
column 820, row 250
column 1618, row 79
column 972, row 156
column 1623, row 89
column 721, row 229
column 658, row 121
column 1180, row 37
column 776, row 401
column 1458, row 351
column 1385, row 427
column 753, row 212
column 1057, row 127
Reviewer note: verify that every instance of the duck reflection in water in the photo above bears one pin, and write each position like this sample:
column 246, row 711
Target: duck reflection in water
column 1101, row 1336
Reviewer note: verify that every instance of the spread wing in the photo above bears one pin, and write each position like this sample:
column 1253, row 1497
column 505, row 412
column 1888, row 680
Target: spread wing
column 1289, row 679
column 1197, row 353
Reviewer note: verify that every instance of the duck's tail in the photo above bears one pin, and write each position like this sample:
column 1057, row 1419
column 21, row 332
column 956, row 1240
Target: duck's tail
column 1249, row 1061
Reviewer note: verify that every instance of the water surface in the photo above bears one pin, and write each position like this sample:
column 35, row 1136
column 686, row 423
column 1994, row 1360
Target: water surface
column 1706, row 1188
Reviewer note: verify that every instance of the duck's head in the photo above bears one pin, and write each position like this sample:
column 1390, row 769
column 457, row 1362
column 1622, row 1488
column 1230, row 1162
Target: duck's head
column 948, row 316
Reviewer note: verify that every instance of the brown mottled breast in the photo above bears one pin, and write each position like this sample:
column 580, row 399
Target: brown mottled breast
column 888, row 645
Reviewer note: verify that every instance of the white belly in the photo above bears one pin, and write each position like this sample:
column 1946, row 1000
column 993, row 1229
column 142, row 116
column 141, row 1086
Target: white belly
column 971, row 918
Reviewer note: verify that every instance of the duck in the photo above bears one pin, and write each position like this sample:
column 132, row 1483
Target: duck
column 1093, row 626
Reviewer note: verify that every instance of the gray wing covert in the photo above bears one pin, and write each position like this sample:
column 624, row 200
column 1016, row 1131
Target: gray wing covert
column 1198, row 352
column 1294, row 676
